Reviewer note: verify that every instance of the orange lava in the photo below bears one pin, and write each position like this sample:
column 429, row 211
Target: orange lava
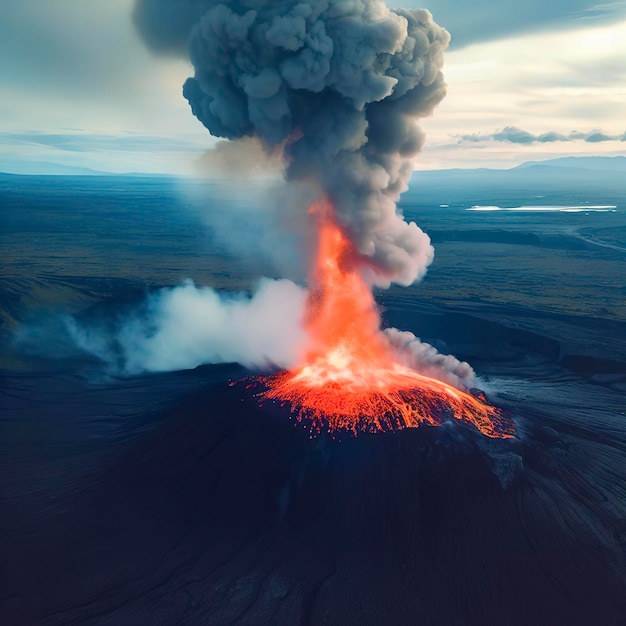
column 349, row 378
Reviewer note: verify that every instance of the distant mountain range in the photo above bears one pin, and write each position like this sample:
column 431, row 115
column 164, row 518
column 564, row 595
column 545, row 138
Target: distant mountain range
column 588, row 177
column 588, row 164
column 557, row 169
column 595, row 163
column 45, row 168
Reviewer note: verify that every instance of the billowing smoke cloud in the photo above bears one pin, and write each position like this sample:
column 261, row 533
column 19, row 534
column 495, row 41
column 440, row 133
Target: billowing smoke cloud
column 338, row 84
column 425, row 359
column 187, row 326
column 516, row 135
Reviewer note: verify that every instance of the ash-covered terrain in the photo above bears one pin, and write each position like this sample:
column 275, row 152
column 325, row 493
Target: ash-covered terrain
column 172, row 498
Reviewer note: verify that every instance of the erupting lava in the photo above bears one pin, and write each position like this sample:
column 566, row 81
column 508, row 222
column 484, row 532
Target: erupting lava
column 349, row 377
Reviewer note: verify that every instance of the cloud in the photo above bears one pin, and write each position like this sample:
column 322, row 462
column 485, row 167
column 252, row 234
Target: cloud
column 69, row 46
column 86, row 142
column 71, row 64
column 597, row 137
column 485, row 20
column 545, row 83
column 77, row 65
column 36, row 152
column 169, row 35
column 516, row 135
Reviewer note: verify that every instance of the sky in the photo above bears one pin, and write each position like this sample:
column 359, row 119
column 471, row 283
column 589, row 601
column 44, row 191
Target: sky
column 526, row 81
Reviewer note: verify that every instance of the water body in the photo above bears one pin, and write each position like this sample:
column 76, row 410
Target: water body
column 174, row 499
column 548, row 209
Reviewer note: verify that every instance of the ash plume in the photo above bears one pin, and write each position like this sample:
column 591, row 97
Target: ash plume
column 336, row 84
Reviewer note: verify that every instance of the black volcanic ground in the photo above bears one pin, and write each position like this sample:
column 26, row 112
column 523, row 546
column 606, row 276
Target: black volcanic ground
column 174, row 499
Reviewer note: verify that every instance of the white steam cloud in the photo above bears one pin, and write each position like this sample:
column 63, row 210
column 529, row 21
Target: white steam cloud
column 187, row 326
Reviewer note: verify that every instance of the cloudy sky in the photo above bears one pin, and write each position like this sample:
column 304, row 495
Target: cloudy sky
column 527, row 81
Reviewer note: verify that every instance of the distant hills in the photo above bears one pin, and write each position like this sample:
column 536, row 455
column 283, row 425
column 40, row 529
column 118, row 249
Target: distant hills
column 595, row 163
column 589, row 178
column 45, row 168
column 562, row 170
column 590, row 164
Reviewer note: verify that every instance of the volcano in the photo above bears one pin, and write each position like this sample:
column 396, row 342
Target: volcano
column 173, row 498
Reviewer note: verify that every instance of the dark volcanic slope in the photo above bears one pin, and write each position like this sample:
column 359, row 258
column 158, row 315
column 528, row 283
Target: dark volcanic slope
column 175, row 499
column 211, row 511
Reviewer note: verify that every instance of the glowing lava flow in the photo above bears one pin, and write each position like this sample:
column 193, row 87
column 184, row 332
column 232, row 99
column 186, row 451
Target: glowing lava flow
column 349, row 378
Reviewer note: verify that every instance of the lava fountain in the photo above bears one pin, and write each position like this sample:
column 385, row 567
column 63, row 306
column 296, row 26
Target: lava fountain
column 349, row 377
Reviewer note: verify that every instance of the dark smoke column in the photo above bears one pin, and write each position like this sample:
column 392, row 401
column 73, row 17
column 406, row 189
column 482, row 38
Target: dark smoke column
column 337, row 83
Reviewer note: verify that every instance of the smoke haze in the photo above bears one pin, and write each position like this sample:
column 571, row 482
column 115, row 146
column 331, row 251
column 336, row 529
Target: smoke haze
column 247, row 158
